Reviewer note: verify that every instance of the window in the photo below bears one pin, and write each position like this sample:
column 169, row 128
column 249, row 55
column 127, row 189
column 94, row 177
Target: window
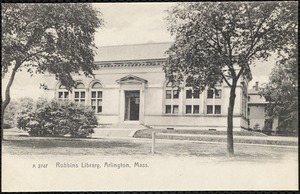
column 96, row 97
column 168, row 109
column 196, row 109
column 79, row 94
column 189, row 94
column 209, row 109
column 196, row 94
column 168, row 94
column 210, row 93
column 248, row 111
column 218, row 94
column 188, row 109
column 63, row 93
column 174, row 109
column 171, row 92
column 172, row 99
column 217, row 109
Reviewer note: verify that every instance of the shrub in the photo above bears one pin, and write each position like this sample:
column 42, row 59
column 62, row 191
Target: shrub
column 58, row 118
column 14, row 108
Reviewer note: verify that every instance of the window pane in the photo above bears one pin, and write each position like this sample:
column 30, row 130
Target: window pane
column 175, row 94
column 188, row 109
column 82, row 94
column 175, row 109
column 168, row 94
column 189, row 94
column 93, row 107
column 218, row 93
column 217, row 109
column 99, row 109
column 93, row 94
column 66, row 94
column 99, row 102
column 76, row 100
column 76, row 94
column 60, row 94
column 93, row 102
column 210, row 93
column 209, row 109
column 99, row 94
column 196, row 93
column 196, row 109
column 168, row 108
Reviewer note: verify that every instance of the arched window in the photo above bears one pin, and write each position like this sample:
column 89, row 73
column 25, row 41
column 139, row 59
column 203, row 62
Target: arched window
column 63, row 93
column 96, row 97
column 79, row 93
column 171, row 99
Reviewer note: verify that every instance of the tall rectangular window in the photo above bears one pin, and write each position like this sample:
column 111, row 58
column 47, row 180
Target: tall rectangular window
column 209, row 109
column 189, row 94
column 96, row 101
column 175, row 109
column 188, row 109
column 217, row 109
column 210, row 93
column 196, row 109
column 168, row 94
column 175, row 94
column 196, row 94
column 168, row 109
column 218, row 94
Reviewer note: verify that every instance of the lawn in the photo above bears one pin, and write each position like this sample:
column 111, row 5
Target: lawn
column 25, row 145
column 148, row 132
column 213, row 136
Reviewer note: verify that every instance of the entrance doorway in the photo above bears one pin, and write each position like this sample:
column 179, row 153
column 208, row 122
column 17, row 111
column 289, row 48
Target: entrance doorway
column 132, row 105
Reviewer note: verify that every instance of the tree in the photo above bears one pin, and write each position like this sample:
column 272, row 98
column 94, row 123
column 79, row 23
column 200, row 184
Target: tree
column 218, row 42
column 57, row 38
column 282, row 91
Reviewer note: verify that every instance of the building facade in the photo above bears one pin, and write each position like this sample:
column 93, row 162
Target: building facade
column 130, row 87
column 257, row 111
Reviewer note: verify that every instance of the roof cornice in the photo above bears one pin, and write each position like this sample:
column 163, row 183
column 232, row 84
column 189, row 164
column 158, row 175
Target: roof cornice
column 131, row 63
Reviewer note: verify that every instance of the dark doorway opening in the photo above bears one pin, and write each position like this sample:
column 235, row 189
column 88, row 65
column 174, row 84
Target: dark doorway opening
column 132, row 105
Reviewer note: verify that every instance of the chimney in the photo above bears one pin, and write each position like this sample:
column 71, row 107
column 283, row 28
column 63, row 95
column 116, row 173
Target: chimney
column 256, row 86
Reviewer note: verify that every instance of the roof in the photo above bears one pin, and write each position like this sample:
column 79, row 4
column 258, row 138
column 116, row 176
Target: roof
column 132, row 52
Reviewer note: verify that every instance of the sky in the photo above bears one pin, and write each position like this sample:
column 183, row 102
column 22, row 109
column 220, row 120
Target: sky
column 125, row 23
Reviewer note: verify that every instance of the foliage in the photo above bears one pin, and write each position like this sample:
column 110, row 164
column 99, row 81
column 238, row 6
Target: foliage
column 57, row 38
column 58, row 118
column 53, row 38
column 216, row 42
column 282, row 91
column 15, row 108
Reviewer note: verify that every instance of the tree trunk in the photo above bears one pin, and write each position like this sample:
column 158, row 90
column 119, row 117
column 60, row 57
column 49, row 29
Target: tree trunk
column 230, row 149
column 7, row 97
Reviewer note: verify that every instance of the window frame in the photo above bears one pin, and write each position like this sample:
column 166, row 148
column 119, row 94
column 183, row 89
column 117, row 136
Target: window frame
column 98, row 109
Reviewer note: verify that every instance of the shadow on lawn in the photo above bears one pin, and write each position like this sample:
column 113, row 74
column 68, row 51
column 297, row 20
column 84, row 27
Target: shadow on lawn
column 69, row 143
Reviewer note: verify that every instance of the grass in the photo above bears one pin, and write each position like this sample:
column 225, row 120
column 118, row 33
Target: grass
column 34, row 146
column 147, row 133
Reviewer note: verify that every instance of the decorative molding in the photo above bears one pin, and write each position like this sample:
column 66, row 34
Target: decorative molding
column 133, row 63
column 131, row 79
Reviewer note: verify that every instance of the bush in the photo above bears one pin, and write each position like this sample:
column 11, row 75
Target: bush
column 13, row 109
column 58, row 118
